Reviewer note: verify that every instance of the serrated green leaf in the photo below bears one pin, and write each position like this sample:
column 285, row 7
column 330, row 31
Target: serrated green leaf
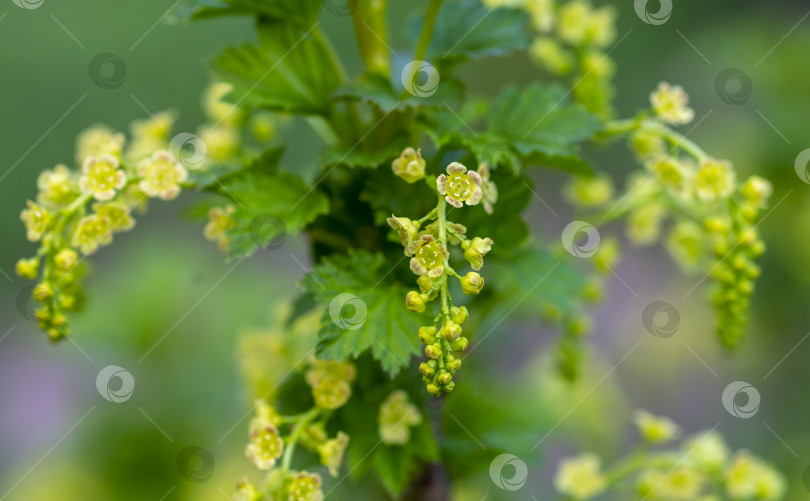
column 290, row 71
column 269, row 203
column 542, row 278
column 387, row 329
column 301, row 13
column 379, row 91
column 466, row 29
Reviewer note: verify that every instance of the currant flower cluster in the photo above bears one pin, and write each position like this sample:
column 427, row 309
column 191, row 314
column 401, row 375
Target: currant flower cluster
column 427, row 242
column 397, row 415
column 701, row 468
column 271, row 450
column 709, row 216
column 570, row 42
column 79, row 210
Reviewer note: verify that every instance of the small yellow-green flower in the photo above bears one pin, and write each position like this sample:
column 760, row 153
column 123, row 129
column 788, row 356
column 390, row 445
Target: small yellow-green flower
column 472, row 283
column 410, row 165
column 331, row 452
column 265, row 447
column 644, row 224
column 101, row 177
column 27, row 268
column 648, row 144
column 757, row 190
column 91, row 232
column 306, row 487
column 407, row 230
column 221, row 141
column 589, row 191
column 460, row 186
column 707, row 450
column 580, row 477
column 749, row 478
column 551, row 55
column 669, row 171
column 488, row 188
column 56, row 187
column 98, row 141
column 117, row 214
column 679, row 484
column 687, row 244
column 149, row 135
column 714, row 180
column 330, row 382
column 245, row 491
column 600, row 26
column 541, row 13
column 397, row 415
column 161, row 175
column 670, row 104
column 655, row 429
column 572, row 25
column 475, row 250
column 36, row 220
column 428, row 256
column 66, row 259
column 219, row 222
column 216, row 108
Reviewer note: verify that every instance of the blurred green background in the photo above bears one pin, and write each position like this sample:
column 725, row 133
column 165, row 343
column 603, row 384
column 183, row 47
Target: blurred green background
column 60, row 440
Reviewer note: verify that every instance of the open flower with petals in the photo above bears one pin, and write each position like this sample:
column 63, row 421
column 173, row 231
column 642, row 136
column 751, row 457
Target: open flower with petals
column 332, row 451
column 490, row 191
column 670, row 104
column 580, row 477
column 102, row 177
column 117, row 214
column 56, row 187
column 428, row 256
column 97, row 141
column 460, row 186
column 655, row 429
column 714, row 180
column 91, row 232
column 306, row 487
column 407, row 230
column 397, row 415
column 265, row 447
column 36, row 220
column 219, row 222
column 161, row 175
column 410, row 165
column 475, row 250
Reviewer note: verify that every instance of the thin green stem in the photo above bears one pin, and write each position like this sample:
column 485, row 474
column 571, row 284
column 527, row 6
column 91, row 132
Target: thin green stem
column 371, row 32
column 427, row 29
column 675, row 139
column 300, row 427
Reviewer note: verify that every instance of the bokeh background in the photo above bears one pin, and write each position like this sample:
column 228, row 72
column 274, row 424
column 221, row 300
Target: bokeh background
column 60, row 440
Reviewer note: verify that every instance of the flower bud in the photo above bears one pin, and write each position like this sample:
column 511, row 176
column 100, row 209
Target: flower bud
column 433, row 351
column 475, row 250
column 444, row 378
column 459, row 344
column 472, row 283
column 451, row 330
column 410, row 165
column 66, row 259
column 425, row 283
column 434, row 389
column 43, row 292
column 452, row 362
column 427, row 334
column 426, row 369
column 459, row 315
column 449, row 387
column 28, row 268
column 414, row 302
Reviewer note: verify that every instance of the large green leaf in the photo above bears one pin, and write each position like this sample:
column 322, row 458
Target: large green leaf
column 269, row 203
column 300, row 13
column 291, row 70
column 466, row 29
column 349, row 284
